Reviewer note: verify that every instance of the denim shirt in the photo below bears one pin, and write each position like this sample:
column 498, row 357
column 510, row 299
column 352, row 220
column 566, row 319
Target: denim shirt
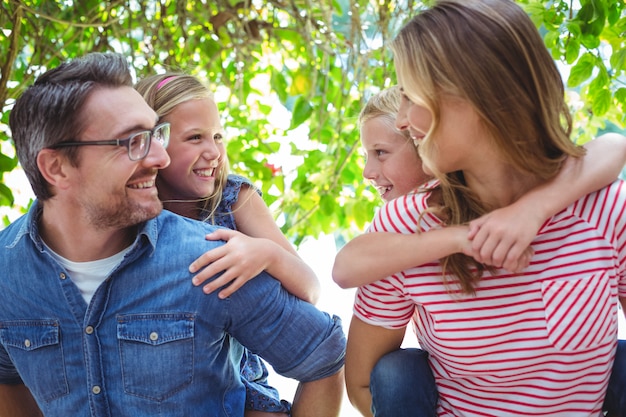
column 149, row 343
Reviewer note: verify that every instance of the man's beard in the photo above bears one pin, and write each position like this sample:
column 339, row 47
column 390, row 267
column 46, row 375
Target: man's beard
column 121, row 215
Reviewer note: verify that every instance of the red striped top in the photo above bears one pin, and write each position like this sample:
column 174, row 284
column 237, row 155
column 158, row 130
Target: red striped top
column 538, row 343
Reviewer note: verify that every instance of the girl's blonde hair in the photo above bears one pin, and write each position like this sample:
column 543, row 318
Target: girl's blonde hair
column 488, row 53
column 163, row 92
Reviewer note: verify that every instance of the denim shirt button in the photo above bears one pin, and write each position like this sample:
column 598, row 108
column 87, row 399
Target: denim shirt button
column 62, row 275
column 154, row 336
column 27, row 343
column 96, row 389
column 89, row 330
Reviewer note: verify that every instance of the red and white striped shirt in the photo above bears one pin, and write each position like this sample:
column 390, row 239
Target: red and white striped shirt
column 538, row 343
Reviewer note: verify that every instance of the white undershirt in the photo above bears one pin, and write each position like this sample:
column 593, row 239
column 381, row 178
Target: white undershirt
column 89, row 275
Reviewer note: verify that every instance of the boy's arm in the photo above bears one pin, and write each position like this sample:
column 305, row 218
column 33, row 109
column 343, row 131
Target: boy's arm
column 374, row 256
column 366, row 345
column 17, row 401
column 501, row 237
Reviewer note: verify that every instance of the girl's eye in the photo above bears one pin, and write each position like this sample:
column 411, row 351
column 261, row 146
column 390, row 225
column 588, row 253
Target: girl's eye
column 218, row 137
column 195, row 138
column 380, row 152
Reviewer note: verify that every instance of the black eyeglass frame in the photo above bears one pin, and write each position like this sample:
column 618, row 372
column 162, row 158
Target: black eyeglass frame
column 123, row 142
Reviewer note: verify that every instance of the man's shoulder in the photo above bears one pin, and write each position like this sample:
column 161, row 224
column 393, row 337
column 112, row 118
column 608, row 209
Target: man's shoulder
column 172, row 230
column 13, row 231
column 168, row 220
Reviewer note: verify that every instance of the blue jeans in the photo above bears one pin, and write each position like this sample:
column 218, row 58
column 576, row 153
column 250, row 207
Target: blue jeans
column 615, row 400
column 402, row 385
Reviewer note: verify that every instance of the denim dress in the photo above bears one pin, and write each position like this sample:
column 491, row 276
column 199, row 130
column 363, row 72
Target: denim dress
column 260, row 396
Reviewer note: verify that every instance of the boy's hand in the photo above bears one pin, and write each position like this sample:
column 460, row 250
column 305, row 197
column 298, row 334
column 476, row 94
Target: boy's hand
column 502, row 238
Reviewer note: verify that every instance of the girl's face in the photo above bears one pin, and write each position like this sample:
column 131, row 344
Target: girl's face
column 196, row 149
column 392, row 164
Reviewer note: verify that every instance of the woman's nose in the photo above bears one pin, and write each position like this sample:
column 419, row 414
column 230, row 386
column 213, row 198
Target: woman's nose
column 402, row 122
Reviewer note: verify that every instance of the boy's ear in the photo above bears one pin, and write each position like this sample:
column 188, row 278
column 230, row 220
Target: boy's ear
column 54, row 167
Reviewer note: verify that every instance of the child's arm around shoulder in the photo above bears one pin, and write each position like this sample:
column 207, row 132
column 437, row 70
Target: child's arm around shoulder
column 501, row 237
column 258, row 245
column 373, row 256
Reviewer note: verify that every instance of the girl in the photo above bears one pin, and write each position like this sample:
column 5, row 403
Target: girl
column 484, row 101
column 197, row 184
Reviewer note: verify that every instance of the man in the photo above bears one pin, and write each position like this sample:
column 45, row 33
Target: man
column 98, row 315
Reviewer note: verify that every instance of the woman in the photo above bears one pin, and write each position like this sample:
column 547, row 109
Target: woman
column 484, row 101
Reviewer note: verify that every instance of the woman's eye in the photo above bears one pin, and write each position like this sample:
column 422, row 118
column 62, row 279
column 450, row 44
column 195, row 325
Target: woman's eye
column 218, row 137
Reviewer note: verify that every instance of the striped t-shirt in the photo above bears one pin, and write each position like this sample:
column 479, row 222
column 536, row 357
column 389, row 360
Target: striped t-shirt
column 538, row 343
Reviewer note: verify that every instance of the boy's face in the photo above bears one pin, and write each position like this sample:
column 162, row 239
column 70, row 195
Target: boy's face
column 393, row 165
column 111, row 190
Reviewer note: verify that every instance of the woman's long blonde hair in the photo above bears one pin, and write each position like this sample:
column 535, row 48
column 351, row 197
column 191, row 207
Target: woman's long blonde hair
column 488, row 53
column 163, row 92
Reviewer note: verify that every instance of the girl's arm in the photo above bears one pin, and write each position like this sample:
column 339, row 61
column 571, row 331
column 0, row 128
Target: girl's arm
column 259, row 245
column 17, row 401
column 500, row 237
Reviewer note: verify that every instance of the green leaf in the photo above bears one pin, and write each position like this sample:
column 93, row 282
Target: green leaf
column 302, row 110
column 6, row 195
column 614, row 14
column 620, row 95
column 581, row 71
column 601, row 102
column 551, row 39
column 590, row 41
column 279, row 84
column 7, row 164
column 618, row 60
column 572, row 51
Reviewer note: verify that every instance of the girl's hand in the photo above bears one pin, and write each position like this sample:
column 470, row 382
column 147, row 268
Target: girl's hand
column 502, row 238
column 241, row 258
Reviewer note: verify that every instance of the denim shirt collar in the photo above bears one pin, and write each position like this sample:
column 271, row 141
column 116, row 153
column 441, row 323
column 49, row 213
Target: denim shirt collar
column 30, row 227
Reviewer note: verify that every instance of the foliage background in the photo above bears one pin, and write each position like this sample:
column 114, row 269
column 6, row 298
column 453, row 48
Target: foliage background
column 291, row 77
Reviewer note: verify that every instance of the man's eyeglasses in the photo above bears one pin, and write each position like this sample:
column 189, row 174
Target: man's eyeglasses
column 138, row 144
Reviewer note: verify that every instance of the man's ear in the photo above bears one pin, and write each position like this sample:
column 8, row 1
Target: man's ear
column 54, row 167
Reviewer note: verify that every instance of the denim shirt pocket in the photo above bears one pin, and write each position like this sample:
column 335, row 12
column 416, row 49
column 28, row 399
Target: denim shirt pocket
column 156, row 353
column 34, row 347
column 580, row 314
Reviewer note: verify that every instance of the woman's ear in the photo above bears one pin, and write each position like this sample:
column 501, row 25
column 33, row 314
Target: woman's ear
column 53, row 166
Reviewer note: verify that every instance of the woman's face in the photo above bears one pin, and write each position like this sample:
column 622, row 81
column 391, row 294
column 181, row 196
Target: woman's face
column 392, row 164
column 453, row 146
column 196, row 149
